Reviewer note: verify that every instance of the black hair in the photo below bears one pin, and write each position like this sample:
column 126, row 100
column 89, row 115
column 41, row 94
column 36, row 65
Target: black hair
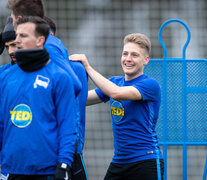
column 41, row 26
column 51, row 23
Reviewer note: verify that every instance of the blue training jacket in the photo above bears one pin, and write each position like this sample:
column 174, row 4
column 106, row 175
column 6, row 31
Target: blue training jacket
column 4, row 67
column 37, row 120
column 58, row 53
column 81, row 103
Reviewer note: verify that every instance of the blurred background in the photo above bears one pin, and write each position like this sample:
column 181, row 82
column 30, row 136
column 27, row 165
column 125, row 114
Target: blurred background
column 97, row 28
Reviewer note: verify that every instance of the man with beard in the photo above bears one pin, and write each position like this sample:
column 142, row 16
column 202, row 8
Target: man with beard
column 7, row 40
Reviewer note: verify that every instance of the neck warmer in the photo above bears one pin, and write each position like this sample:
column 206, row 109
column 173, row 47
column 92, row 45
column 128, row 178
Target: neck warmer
column 31, row 59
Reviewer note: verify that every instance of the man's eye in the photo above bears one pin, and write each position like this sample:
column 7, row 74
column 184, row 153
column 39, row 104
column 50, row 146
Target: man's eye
column 135, row 55
column 23, row 35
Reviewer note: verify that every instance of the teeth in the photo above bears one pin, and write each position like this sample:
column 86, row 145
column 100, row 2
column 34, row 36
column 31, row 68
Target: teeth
column 128, row 65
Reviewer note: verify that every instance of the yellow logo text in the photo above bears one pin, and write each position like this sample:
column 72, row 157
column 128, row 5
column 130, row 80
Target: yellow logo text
column 117, row 111
column 20, row 115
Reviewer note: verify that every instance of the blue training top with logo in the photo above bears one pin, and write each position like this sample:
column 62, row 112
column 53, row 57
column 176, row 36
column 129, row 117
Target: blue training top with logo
column 134, row 122
column 37, row 120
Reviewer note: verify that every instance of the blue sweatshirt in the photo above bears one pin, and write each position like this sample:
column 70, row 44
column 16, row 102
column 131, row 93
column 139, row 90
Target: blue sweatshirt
column 37, row 120
column 81, row 103
column 58, row 54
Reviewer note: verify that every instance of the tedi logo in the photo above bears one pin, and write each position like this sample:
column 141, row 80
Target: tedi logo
column 21, row 115
column 117, row 111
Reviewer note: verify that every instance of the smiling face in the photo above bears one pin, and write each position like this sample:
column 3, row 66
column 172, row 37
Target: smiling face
column 133, row 60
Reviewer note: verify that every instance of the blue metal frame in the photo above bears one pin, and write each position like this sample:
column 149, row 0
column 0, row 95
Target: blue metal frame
column 185, row 91
column 184, row 94
column 161, row 41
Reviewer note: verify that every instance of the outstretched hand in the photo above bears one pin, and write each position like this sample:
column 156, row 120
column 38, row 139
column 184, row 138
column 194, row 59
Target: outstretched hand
column 80, row 57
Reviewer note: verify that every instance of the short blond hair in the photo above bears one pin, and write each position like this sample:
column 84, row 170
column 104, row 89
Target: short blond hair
column 140, row 39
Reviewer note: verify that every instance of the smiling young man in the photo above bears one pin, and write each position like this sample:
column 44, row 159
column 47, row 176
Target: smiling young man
column 135, row 101
column 37, row 127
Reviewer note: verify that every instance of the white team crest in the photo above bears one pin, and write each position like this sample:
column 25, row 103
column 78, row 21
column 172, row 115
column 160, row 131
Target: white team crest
column 41, row 81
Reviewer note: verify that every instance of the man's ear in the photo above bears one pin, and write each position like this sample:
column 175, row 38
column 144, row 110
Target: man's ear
column 40, row 41
column 146, row 60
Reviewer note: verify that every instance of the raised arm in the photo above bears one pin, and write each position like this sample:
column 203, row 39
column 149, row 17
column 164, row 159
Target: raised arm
column 106, row 86
column 92, row 98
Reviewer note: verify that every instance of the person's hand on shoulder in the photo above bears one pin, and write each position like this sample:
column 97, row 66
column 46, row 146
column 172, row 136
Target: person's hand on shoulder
column 80, row 57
